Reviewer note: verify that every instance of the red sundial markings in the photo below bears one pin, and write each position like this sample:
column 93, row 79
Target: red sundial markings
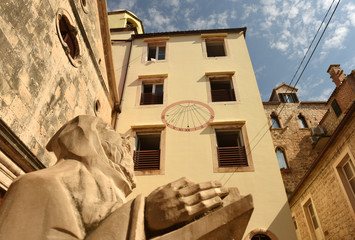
column 185, row 115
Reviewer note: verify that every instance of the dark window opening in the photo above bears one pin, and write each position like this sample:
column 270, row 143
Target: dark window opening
column 156, row 53
column 68, row 33
column 215, row 48
column 336, row 108
column 275, row 121
column 288, row 97
column 230, row 149
column 2, row 195
column 130, row 25
column 222, row 90
column 152, row 94
column 302, row 121
column 260, row 237
column 281, row 158
column 147, row 153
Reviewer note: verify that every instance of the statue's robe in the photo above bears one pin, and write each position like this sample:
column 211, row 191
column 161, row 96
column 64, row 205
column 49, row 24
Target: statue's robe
column 66, row 202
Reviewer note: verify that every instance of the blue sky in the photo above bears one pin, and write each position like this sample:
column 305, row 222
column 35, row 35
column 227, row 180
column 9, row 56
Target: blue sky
column 278, row 34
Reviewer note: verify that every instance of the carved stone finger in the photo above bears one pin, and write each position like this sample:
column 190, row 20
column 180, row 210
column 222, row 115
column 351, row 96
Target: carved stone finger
column 200, row 196
column 203, row 206
column 194, row 188
column 181, row 183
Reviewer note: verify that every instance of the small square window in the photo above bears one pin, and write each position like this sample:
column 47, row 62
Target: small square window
column 222, row 90
column 152, row 93
column 230, row 149
column 156, row 52
column 215, row 48
column 147, row 151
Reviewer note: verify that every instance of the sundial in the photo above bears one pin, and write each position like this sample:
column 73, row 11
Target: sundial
column 187, row 115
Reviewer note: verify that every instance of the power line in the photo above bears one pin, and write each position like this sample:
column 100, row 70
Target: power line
column 299, row 77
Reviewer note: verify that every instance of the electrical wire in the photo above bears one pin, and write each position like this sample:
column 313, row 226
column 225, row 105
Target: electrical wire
column 299, row 77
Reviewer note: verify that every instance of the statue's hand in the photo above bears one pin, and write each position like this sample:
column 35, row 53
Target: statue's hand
column 181, row 201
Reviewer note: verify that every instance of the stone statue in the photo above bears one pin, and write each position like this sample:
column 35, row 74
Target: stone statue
column 83, row 196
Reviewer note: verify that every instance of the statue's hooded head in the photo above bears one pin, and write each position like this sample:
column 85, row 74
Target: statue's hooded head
column 93, row 142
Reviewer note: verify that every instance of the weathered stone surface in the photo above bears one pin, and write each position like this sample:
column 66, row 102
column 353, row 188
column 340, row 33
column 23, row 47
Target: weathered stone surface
column 294, row 140
column 228, row 222
column 38, row 84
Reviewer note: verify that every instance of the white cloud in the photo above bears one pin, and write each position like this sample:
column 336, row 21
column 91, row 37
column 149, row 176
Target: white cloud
column 280, row 45
column 323, row 96
column 214, row 20
column 173, row 3
column 158, row 21
column 337, row 38
column 350, row 13
column 249, row 9
column 126, row 4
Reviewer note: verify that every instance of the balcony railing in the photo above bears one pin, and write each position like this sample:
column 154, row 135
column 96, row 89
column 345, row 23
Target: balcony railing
column 222, row 95
column 232, row 157
column 150, row 98
column 146, row 160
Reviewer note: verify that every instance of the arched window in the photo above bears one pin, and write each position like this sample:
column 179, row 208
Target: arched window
column 281, row 158
column 274, row 121
column 260, row 237
column 302, row 121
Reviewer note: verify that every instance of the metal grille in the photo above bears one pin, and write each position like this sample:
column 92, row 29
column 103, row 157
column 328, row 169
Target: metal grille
column 222, row 95
column 146, row 160
column 151, row 98
column 232, row 157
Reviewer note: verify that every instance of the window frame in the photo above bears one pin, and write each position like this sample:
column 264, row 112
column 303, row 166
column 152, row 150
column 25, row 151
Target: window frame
column 336, row 108
column 236, row 125
column 221, row 76
column 273, row 115
column 292, row 96
column 158, row 79
column 147, row 129
column 281, row 149
column 344, row 157
column 73, row 50
column 155, row 42
column 310, row 225
column 302, row 121
column 221, row 37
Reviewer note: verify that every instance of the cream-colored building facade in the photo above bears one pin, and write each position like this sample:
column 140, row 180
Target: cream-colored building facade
column 189, row 101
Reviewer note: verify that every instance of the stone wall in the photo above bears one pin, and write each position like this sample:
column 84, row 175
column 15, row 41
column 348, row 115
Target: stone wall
column 294, row 140
column 345, row 96
column 39, row 87
column 325, row 189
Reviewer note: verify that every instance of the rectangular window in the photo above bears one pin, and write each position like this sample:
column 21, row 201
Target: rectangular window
column 336, row 108
column 230, row 149
column 349, row 173
column 152, row 93
column 215, row 48
column 288, row 97
column 147, row 151
column 346, row 173
column 222, row 89
column 156, row 52
column 312, row 220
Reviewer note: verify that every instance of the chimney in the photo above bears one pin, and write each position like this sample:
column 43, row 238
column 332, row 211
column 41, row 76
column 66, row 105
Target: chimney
column 336, row 73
